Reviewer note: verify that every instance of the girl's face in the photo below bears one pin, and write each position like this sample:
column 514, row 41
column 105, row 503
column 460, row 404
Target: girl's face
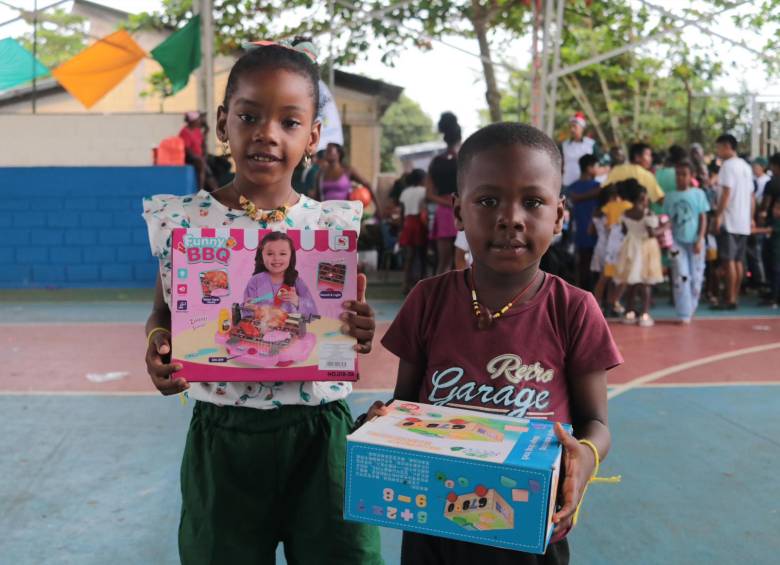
column 269, row 125
column 332, row 154
column 276, row 256
column 642, row 201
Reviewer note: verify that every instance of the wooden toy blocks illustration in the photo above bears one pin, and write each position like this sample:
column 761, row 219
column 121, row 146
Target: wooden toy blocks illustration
column 455, row 428
column 266, row 336
column 483, row 509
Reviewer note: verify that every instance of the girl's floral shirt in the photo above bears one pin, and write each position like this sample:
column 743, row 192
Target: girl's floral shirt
column 164, row 212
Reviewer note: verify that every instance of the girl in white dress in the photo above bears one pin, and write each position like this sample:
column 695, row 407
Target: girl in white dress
column 639, row 260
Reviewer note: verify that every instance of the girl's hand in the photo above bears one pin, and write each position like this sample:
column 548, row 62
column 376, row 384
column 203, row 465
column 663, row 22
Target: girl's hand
column 358, row 318
column 289, row 295
column 158, row 365
column 697, row 247
column 377, row 409
column 578, row 466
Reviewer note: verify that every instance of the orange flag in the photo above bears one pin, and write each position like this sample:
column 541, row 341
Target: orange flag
column 92, row 74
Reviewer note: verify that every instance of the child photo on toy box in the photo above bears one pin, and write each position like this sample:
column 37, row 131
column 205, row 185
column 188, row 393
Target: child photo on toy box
column 262, row 305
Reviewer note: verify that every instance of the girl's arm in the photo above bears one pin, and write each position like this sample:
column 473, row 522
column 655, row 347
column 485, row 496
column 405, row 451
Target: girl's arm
column 407, row 387
column 589, row 413
column 306, row 305
column 158, row 350
column 697, row 247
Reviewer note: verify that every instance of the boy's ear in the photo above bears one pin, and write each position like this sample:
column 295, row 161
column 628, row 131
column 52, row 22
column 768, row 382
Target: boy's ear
column 456, row 205
column 314, row 137
column 222, row 124
column 559, row 219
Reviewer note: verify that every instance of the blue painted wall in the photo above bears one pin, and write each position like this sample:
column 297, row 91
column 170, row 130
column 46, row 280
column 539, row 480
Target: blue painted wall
column 80, row 227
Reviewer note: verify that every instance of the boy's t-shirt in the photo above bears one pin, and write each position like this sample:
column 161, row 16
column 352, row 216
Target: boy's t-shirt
column 684, row 208
column 583, row 213
column 520, row 366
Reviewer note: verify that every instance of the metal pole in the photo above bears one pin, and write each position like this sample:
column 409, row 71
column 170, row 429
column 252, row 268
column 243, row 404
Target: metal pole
column 35, row 58
column 755, row 128
column 536, row 86
column 206, row 91
column 553, row 80
column 331, row 50
column 547, row 18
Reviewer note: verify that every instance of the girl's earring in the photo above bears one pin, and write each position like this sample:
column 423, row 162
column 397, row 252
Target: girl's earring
column 307, row 160
column 225, row 148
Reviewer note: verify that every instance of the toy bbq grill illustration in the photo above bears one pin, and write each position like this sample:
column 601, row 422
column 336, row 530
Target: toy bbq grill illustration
column 265, row 335
column 331, row 276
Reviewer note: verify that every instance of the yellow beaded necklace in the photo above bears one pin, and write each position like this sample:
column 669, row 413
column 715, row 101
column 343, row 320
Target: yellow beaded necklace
column 275, row 215
column 484, row 316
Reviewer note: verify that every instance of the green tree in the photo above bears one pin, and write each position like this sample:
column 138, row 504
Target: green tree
column 404, row 123
column 61, row 36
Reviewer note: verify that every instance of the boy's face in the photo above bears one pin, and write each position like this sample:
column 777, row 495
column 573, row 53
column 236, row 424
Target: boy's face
column 645, row 159
column 758, row 170
column 510, row 207
column 723, row 150
column 683, row 177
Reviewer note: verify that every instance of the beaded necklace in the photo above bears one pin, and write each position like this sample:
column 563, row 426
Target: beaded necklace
column 275, row 215
column 483, row 314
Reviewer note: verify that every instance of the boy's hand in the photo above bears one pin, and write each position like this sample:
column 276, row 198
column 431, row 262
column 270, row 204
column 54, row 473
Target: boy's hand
column 578, row 465
column 157, row 354
column 359, row 318
column 697, row 246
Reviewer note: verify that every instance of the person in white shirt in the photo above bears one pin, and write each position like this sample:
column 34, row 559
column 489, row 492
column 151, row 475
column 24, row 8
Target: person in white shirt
column 414, row 233
column 575, row 147
column 733, row 216
column 760, row 167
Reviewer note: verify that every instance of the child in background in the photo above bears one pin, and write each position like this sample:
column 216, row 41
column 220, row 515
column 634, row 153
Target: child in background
column 613, row 212
column 271, row 470
column 276, row 280
column 414, row 234
column 639, row 261
column 454, row 331
column 687, row 207
column 599, row 227
column 711, row 270
column 583, row 194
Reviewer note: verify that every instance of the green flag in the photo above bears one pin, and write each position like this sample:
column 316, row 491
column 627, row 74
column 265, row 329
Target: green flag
column 17, row 65
column 179, row 55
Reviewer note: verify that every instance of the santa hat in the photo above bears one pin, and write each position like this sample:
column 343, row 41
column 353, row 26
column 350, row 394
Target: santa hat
column 578, row 118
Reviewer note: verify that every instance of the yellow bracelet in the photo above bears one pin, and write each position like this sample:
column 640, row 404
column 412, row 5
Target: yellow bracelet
column 154, row 331
column 593, row 478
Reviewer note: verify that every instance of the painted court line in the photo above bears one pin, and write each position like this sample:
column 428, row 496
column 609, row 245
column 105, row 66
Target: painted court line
column 655, row 375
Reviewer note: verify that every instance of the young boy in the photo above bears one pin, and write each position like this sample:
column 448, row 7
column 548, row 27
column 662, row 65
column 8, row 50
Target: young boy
column 503, row 336
column 584, row 194
column 687, row 207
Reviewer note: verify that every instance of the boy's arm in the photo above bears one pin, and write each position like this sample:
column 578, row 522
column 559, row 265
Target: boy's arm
column 589, row 412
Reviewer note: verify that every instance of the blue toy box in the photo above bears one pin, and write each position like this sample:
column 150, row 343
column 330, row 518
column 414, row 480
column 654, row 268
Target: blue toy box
column 456, row 474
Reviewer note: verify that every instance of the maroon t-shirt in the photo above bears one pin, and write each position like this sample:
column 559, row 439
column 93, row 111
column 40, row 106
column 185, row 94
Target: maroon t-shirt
column 520, row 366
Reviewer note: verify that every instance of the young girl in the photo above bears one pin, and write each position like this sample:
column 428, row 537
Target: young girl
column 639, row 260
column 599, row 227
column 442, row 184
column 414, row 234
column 275, row 278
column 272, row 470
column 475, row 338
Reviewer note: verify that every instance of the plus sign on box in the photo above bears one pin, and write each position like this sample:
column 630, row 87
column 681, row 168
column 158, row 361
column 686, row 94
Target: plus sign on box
column 456, row 474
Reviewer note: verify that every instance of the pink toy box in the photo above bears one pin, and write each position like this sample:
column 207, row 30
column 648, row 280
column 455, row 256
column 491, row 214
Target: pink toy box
column 257, row 305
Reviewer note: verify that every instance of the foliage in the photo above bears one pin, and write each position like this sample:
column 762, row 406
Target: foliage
column 404, row 123
column 159, row 86
column 61, row 36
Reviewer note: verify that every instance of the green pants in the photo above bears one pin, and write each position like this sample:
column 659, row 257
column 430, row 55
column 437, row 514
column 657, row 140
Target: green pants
column 253, row 478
